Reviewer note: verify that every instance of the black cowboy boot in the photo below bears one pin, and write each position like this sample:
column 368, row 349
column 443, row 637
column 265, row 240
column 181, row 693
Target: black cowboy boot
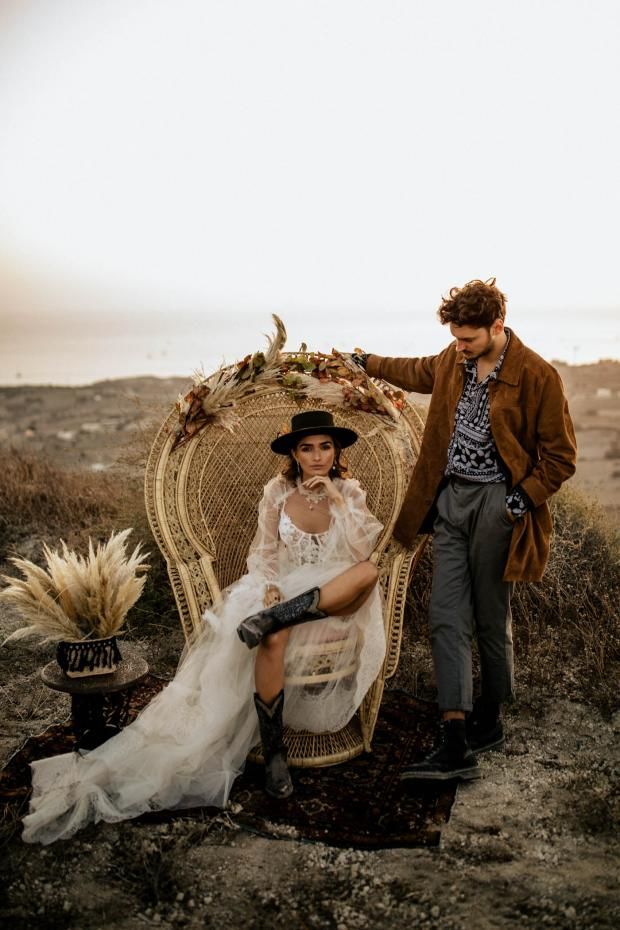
column 484, row 727
column 278, row 782
column 453, row 760
column 299, row 609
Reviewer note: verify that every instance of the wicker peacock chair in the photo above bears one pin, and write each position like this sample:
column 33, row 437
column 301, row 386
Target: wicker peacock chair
column 202, row 500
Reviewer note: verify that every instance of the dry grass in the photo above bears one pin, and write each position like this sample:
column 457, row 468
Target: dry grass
column 567, row 627
column 37, row 498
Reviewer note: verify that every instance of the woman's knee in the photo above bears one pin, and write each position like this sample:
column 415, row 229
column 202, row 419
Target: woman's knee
column 275, row 643
column 369, row 574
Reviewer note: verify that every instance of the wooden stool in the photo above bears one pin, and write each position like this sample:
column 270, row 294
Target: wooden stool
column 99, row 703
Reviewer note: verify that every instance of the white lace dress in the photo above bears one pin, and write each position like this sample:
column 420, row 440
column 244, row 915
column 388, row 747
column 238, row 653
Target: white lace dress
column 189, row 744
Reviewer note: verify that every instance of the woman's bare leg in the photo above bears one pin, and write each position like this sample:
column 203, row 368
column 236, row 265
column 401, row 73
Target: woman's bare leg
column 269, row 669
column 357, row 603
column 341, row 595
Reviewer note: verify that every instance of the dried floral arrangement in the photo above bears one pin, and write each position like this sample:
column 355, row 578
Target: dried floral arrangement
column 77, row 598
column 330, row 378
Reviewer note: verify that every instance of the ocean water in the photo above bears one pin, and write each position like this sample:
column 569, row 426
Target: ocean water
column 86, row 348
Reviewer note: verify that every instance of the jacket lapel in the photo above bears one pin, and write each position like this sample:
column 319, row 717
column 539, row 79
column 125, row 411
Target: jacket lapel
column 510, row 372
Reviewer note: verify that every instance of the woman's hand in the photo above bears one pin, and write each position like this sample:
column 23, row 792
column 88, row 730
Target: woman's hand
column 273, row 595
column 329, row 487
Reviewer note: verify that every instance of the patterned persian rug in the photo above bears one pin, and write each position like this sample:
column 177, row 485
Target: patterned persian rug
column 360, row 804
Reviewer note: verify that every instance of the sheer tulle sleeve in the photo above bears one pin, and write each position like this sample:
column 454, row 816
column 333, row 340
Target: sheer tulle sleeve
column 263, row 557
column 360, row 528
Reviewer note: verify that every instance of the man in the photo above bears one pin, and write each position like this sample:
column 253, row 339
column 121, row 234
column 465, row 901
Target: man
column 498, row 443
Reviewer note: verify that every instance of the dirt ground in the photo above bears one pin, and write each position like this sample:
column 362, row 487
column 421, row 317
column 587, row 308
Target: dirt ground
column 533, row 844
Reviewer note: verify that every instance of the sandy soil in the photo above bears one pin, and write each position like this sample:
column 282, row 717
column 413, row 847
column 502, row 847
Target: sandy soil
column 530, row 845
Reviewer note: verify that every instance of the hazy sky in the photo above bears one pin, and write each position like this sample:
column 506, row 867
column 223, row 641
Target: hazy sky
column 343, row 157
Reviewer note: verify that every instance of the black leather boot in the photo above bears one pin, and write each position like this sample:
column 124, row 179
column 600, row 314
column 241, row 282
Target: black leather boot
column 299, row 609
column 484, row 726
column 278, row 782
column 453, row 760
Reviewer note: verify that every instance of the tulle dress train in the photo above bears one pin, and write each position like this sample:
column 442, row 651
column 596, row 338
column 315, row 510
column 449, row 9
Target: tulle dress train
column 186, row 748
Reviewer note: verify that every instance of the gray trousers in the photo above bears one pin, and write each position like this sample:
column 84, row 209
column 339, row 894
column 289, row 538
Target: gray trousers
column 471, row 539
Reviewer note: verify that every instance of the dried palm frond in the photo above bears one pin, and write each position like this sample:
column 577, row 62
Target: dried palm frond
column 77, row 597
column 333, row 379
column 329, row 392
column 382, row 399
column 213, row 399
column 275, row 344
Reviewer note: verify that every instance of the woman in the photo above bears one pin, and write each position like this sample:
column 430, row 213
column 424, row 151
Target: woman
column 308, row 584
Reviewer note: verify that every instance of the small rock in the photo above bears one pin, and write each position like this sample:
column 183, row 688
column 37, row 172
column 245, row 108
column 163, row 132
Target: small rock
column 435, row 912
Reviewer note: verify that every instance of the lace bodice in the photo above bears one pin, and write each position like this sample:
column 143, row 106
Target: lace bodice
column 280, row 546
column 302, row 548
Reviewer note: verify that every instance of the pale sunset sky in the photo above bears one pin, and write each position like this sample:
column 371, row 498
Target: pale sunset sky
column 174, row 171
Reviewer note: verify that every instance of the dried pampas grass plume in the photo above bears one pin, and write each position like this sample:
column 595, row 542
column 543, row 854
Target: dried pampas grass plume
column 77, row 598
column 214, row 399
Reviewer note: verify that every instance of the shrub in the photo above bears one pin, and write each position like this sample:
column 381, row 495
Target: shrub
column 38, row 499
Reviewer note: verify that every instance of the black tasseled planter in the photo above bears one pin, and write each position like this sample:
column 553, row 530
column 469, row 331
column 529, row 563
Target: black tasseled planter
column 88, row 657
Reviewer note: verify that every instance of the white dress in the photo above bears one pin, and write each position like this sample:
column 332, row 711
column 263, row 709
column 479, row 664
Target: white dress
column 186, row 748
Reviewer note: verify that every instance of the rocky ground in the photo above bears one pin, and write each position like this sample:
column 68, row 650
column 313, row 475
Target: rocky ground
column 533, row 844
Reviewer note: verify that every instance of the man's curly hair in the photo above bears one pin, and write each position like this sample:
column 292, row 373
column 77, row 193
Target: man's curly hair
column 477, row 303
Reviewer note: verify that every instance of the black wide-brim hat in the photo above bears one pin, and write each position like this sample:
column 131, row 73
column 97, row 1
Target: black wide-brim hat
column 311, row 423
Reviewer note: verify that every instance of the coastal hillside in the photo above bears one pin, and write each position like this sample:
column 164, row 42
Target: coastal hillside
column 96, row 426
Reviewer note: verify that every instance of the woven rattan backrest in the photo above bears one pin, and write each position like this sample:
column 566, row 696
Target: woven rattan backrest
column 202, row 497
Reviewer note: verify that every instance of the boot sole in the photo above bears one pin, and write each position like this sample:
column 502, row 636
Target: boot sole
column 248, row 639
column 457, row 774
column 489, row 747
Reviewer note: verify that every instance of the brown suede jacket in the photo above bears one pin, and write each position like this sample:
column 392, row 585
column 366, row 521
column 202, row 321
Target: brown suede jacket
column 531, row 426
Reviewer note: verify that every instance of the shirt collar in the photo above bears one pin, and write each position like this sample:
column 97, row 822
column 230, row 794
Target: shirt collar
column 471, row 364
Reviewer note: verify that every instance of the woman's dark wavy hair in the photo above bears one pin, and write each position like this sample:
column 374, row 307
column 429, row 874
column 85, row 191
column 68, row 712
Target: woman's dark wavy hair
column 477, row 303
column 339, row 469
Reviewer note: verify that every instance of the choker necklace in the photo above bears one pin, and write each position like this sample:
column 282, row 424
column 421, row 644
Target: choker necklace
column 311, row 497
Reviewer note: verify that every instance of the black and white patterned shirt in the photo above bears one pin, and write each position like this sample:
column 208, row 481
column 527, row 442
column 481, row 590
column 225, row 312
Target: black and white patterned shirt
column 472, row 453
